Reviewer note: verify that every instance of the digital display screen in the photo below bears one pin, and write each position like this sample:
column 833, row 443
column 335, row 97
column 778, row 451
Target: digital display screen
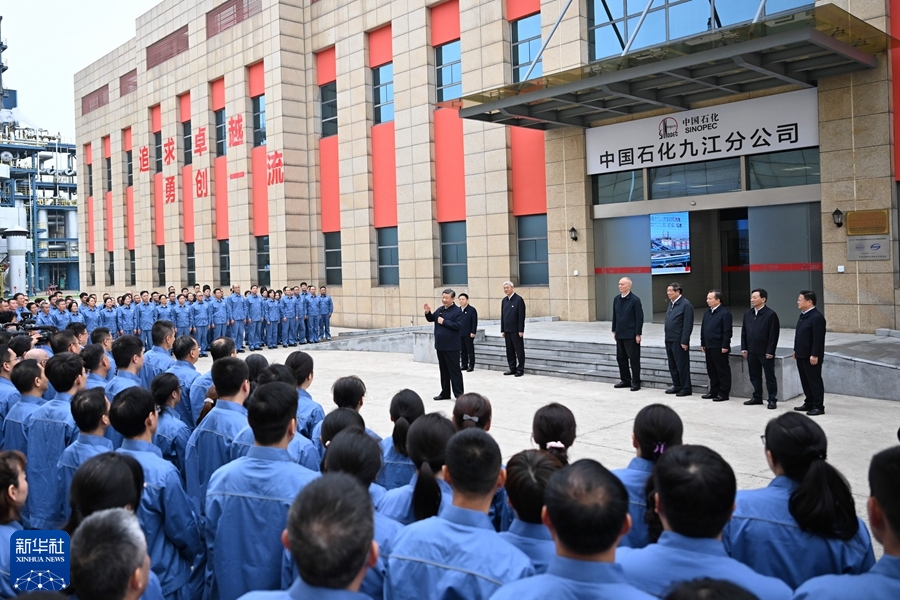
column 670, row 243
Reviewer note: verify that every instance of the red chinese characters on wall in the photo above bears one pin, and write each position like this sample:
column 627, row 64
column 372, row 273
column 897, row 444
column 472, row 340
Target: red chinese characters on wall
column 144, row 159
column 170, row 190
column 274, row 168
column 201, row 183
column 200, row 141
column 236, row 130
column 169, row 151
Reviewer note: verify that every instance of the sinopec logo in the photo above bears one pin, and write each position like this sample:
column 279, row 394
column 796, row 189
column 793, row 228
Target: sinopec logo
column 875, row 246
column 668, row 128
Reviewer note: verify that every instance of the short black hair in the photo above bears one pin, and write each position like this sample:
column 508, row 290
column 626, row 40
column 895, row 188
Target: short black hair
column 270, row 410
column 6, row 355
column 106, row 550
column 884, row 485
column 99, row 335
column 21, row 344
column 587, row 506
column 527, row 474
column 348, row 391
column 130, row 409
column 256, row 363
column 63, row 369
column 274, row 373
column 301, row 364
column 696, row 489
column 92, row 356
column 355, row 452
column 228, row 375
column 762, row 293
column 464, row 294
column 77, row 328
column 61, row 340
column 24, row 374
column 717, row 294
column 182, row 346
column 125, row 348
column 676, row 287
column 330, row 527
column 449, row 292
column 709, row 589
column 221, row 347
column 809, row 295
column 160, row 330
column 473, row 459
column 88, row 407
column 339, row 420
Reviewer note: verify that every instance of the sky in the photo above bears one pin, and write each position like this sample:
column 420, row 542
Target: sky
column 49, row 41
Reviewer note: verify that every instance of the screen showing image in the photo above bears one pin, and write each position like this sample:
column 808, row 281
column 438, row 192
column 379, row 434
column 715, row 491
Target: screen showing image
column 670, row 243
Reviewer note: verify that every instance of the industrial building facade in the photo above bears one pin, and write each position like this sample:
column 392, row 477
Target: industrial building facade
column 391, row 149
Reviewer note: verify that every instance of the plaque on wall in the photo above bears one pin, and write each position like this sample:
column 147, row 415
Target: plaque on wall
column 868, row 222
column 869, row 247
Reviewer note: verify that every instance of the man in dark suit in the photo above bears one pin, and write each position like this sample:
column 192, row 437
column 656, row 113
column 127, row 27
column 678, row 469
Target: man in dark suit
column 627, row 325
column 715, row 343
column 446, row 321
column 679, row 325
column 809, row 350
column 468, row 327
column 759, row 338
column 512, row 328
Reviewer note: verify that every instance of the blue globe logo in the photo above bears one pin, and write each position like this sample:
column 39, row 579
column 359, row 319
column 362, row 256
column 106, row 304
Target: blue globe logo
column 33, row 581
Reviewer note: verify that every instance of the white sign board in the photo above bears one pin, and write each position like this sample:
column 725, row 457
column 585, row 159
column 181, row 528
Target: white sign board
column 869, row 247
column 771, row 124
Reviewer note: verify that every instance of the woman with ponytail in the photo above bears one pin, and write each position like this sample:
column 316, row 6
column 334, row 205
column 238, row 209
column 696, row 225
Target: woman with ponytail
column 656, row 429
column 427, row 492
column 397, row 469
column 804, row 523
column 553, row 430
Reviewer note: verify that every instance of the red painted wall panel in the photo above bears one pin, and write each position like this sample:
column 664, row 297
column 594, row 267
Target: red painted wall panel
column 330, row 187
column 155, row 119
column 129, row 215
column 384, row 175
column 159, row 221
column 894, row 53
column 220, row 174
column 184, row 105
column 110, row 245
column 260, row 192
column 218, row 93
column 126, row 139
column 90, row 224
column 449, row 166
column 529, row 175
column 381, row 47
column 187, row 191
column 88, row 154
column 257, row 76
column 516, row 9
column 107, row 147
column 445, row 23
column 326, row 66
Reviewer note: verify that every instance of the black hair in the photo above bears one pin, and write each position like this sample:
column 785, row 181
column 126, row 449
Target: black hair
column 92, row 356
column 473, row 460
column 88, row 408
column 348, row 391
column 125, row 348
column 587, row 506
column 12, row 463
column 676, row 287
column 270, row 410
column 24, row 374
column 884, row 483
column 822, row 502
column 61, row 340
column 338, row 420
column 99, row 335
column 228, row 375
column 709, row 589
column 5, row 337
column 21, row 344
column 63, row 369
column 77, row 328
column 183, row 346
column 527, row 474
column 255, row 364
column 696, row 489
column 554, row 425
column 221, row 347
column 426, row 444
column 162, row 387
column 657, row 428
column 717, row 294
column 274, row 373
column 160, row 330
column 449, row 292
column 301, row 364
column 129, row 410
column 330, row 526
column 762, row 293
column 406, row 407
column 472, row 410
column 6, row 353
column 461, row 294
column 108, row 480
column 355, row 452
column 809, row 295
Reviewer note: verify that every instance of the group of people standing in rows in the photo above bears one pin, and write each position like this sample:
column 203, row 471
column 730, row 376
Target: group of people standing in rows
column 759, row 341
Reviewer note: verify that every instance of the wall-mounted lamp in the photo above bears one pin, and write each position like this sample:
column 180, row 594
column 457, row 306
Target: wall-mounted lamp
column 573, row 235
column 838, row 217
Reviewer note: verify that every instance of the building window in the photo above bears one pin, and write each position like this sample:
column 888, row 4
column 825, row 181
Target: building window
column 224, row 263
column 328, row 94
column 230, row 13
column 783, row 169
column 129, row 168
column 533, row 260
column 132, row 263
column 56, row 224
column 695, row 179
column 454, row 263
column 388, row 257
column 191, row 264
column 94, row 100
column 157, row 145
column 168, row 47
column 263, row 276
column 259, row 121
column 108, row 174
column 220, row 132
column 448, row 67
column 333, row 274
column 128, row 83
column 383, row 93
column 188, row 142
column 93, row 272
column 161, row 264
column 526, row 43
column 611, row 188
column 111, row 271
column 90, row 178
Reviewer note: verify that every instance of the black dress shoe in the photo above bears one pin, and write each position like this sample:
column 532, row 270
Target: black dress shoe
column 241, row 351
column 622, row 384
column 509, row 373
column 772, row 405
column 709, row 396
column 672, row 390
column 815, row 412
column 804, row 407
column 519, row 373
column 470, row 370
column 635, row 387
column 720, row 398
column 442, row 397
column 683, row 393
column 753, row 402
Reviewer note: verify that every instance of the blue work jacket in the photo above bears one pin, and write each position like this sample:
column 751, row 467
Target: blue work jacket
column 157, row 360
column 397, row 469
column 634, row 477
column 51, row 429
column 571, row 579
column 209, row 447
column 534, row 540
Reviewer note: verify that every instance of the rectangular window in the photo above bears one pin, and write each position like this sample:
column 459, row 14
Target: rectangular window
column 388, row 256
column 328, row 95
column 128, row 83
column 783, row 169
column 259, row 121
column 157, row 145
column 229, row 14
column 533, row 255
column 108, row 174
column 191, row 264
column 224, row 263
column 221, row 134
column 625, row 186
column 448, row 67
column 93, row 270
column 333, row 274
column 188, row 142
column 129, row 168
column 383, row 93
column 132, row 263
column 90, row 179
column 263, row 276
column 94, row 100
column 111, row 271
column 168, row 47
column 695, row 179
column 161, row 264
column 454, row 262
column 526, row 43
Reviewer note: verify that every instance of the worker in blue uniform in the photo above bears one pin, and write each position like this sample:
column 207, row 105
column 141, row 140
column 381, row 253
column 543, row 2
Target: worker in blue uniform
column 397, row 467
column 347, row 392
column 273, row 320
column 159, row 358
column 128, row 352
column 91, row 314
column 109, row 317
column 312, row 313
column 883, row 580
column 289, row 315
column 186, row 354
column 255, row 316
column 221, row 348
column 219, row 315
column 586, row 513
column 301, row 304
column 104, row 338
column 432, row 557
column 44, row 317
column 164, row 310
column 309, row 412
column 326, row 309
column 201, row 325
column 694, row 489
column 183, row 316
column 29, row 379
column 61, row 316
column 172, row 434
column 8, row 360
column 127, row 317
column 96, row 365
column 247, row 500
column 237, row 317
column 173, row 535
column 145, row 315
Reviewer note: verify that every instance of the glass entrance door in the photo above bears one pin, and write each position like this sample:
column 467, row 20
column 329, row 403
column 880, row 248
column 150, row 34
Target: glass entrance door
column 734, row 243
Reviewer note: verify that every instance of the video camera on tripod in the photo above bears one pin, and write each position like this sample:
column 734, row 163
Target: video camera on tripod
column 27, row 326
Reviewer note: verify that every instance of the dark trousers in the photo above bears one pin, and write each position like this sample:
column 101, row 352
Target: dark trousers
column 757, row 364
column 451, row 376
column 629, row 350
column 515, row 350
column 679, row 366
column 467, row 352
column 719, row 372
column 811, row 380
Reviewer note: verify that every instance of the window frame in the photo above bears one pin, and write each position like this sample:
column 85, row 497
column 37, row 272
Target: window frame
column 382, row 94
column 333, row 273
column 221, row 132
column 259, row 120
column 110, row 269
column 391, row 250
column 263, row 250
column 520, row 69
column 187, row 142
column 523, row 280
column 446, row 267
column 224, row 263
column 161, row 265
column 440, row 66
column 129, row 168
column 133, row 264
column 191, row 262
column 329, row 116
column 158, row 152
